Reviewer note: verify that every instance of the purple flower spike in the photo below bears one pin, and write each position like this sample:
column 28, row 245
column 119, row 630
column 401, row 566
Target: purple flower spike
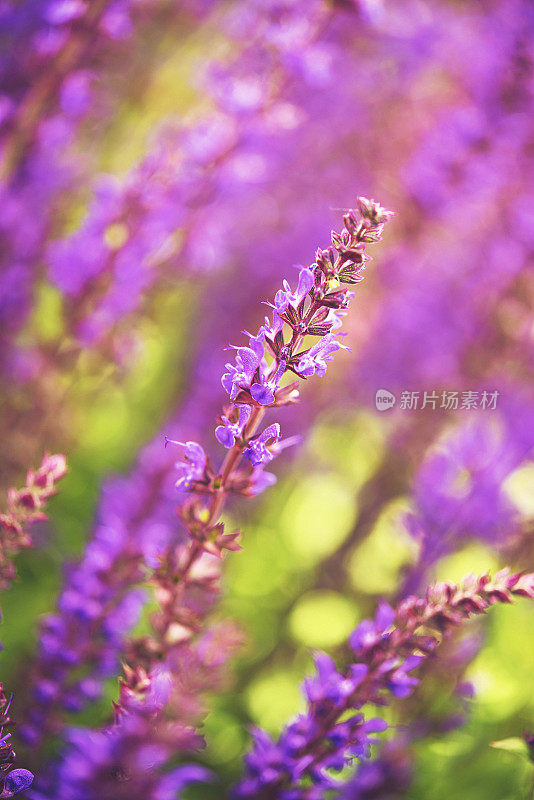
column 17, row 781
column 228, row 432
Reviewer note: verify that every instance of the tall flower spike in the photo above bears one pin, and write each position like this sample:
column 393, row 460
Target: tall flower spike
column 387, row 649
column 254, row 380
column 253, row 384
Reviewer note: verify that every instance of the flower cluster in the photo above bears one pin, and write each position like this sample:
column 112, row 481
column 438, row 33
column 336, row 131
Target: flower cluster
column 254, row 381
column 93, row 633
column 24, row 507
column 458, row 492
column 131, row 753
column 387, row 649
column 133, row 234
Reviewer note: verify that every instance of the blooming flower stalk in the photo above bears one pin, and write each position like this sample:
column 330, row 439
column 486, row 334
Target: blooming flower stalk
column 254, row 380
column 387, row 649
column 24, row 507
column 253, row 384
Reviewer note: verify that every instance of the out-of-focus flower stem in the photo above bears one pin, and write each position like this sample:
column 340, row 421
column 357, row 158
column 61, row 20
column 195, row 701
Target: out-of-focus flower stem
column 38, row 97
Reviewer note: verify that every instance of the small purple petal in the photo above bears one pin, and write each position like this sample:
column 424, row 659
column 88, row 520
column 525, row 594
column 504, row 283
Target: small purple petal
column 263, row 395
column 17, row 781
column 225, row 436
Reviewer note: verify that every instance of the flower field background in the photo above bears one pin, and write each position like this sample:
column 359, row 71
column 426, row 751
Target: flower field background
column 165, row 164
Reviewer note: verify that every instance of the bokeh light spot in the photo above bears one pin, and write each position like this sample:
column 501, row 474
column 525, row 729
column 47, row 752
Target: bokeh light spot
column 322, row 619
column 319, row 516
column 375, row 564
column 273, row 697
column 116, row 235
column 224, row 737
column 519, row 487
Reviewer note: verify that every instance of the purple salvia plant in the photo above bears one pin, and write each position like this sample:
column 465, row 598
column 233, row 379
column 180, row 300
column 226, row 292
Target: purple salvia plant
column 254, row 386
column 458, row 491
column 124, row 760
column 81, row 645
column 55, row 86
column 387, row 649
column 390, row 772
column 254, row 383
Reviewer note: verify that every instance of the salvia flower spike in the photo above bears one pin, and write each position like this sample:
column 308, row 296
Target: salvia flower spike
column 254, row 380
column 333, row 731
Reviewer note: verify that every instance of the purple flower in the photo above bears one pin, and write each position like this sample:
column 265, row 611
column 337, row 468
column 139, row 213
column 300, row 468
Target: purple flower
column 193, row 465
column 228, row 432
column 314, row 361
column 263, row 391
column 329, row 684
column 370, row 631
column 268, row 445
column 259, row 451
column 285, row 297
column 259, row 481
column 251, row 372
column 16, row 781
column 400, row 684
column 271, row 329
column 247, row 361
